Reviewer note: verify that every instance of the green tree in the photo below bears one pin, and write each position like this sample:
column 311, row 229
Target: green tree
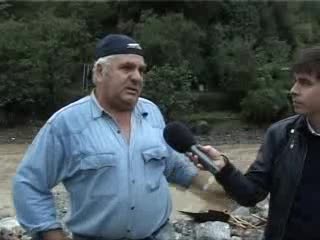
column 235, row 69
column 306, row 22
column 171, row 39
column 37, row 61
column 230, row 61
column 264, row 105
column 273, row 58
column 170, row 88
column 59, row 44
column 16, row 85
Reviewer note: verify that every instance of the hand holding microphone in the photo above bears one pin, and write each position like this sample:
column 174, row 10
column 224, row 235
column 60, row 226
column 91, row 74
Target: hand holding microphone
column 217, row 157
column 180, row 138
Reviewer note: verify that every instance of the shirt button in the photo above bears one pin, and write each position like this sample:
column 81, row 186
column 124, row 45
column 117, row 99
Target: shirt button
column 128, row 230
column 132, row 208
column 118, row 131
column 133, row 181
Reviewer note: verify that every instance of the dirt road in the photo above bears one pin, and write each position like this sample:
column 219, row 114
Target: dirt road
column 195, row 200
column 10, row 156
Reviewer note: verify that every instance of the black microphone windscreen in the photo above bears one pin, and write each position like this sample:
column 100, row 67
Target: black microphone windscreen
column 178, row 136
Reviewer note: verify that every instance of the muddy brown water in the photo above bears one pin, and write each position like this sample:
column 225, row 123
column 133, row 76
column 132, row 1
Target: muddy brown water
column 187, row 200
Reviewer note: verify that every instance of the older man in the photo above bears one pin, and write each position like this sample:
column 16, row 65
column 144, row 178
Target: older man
column 108, row 151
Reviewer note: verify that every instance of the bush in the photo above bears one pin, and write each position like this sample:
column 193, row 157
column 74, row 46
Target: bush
column 170, row 88
column 37, row 60
column 236, row 70
column 170, row 39
column 210, row 101
column 264, row 105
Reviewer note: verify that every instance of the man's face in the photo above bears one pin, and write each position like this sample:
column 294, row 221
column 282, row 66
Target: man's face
column 306, row 94
column 122, row 83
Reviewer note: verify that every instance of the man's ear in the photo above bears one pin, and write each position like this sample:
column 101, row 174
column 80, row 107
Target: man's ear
column 99, row 72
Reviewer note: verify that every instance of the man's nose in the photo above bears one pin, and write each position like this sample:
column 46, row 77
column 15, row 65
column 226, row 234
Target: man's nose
column 136, row 76
column 294, row 90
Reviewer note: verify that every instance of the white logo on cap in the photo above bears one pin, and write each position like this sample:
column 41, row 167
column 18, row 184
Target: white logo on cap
column 134, row 45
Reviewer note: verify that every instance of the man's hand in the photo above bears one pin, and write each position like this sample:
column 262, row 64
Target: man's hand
column 216, row 156
column 56, row 234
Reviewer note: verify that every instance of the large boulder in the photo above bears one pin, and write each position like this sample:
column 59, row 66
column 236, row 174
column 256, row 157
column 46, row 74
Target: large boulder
column 213, row 231
column 10, row 229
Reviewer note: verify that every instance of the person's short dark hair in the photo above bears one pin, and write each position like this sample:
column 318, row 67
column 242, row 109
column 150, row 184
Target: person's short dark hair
column 308, row 61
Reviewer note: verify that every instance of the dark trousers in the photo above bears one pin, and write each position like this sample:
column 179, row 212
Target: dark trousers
column 80, row 237
column 152, row 237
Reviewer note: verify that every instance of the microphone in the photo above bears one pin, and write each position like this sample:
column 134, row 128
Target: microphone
column 179, row 137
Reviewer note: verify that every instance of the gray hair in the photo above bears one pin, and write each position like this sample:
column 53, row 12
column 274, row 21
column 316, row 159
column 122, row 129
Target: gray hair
column 105, row 62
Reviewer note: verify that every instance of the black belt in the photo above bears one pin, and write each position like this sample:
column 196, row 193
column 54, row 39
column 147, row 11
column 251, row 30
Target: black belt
column 85, row 237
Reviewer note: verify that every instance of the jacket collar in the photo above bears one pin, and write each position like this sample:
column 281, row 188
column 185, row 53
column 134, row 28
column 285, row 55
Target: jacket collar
column 300, row 125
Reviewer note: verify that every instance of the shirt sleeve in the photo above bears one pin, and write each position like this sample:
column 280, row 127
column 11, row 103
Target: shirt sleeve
column 179, row 169
column 42, row 168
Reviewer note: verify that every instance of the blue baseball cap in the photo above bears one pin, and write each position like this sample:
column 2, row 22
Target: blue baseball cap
column 117, row 44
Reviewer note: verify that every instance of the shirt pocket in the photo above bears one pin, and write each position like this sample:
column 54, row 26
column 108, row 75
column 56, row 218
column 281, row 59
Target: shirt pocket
column 154, row 166
column 100, row 174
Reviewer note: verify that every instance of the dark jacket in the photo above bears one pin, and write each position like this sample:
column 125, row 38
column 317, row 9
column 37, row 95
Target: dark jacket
column 277, row 170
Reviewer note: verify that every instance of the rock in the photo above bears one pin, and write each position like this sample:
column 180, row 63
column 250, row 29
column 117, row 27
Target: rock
column 262, row 208
column 5, row 213
column 213, row 231
column 185, row 229
column 241, row 212
column 252, row 234
column 236, row 238
column 264, row 214
column 179, row 236
column 10, row 229
column 237, row 231
column 178, row 230
column 201, row 128
column 263, row 205
column 167, row 233
column 253, row 220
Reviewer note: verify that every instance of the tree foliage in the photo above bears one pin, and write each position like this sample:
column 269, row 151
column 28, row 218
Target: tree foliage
column 37, row 61
column 237, row 48
column 170, row 39
column 264, row 105
column 170, row 87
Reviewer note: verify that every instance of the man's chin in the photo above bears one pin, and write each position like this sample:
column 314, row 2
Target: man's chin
column 130, row 103
column 300, row 111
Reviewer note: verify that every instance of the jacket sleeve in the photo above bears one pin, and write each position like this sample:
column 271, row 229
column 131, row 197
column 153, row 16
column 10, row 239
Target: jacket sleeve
column 41, row 169
column 254, row 186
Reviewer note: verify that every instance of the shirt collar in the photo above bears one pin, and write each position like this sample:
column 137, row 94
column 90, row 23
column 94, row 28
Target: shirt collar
column 98, row 111
column 311, row 129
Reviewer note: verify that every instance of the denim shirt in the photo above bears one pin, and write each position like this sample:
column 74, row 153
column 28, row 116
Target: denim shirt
column 117, row 189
